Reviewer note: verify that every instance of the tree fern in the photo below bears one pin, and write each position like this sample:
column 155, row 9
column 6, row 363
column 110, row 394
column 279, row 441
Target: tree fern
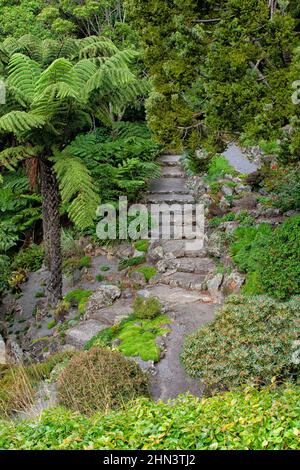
column 77, row 189
column 19, row 122
column 11, row 156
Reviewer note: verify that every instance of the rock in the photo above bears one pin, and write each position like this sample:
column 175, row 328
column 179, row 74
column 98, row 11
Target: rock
column 14, row 353
column 213, row 283
column 146, row 366
column 116, row 342
column 247, row 202
column 83, row 332
column 138, row 254
column 215, row 245
column 155, row 253
column 2, row 351
column 291, row 213
column 227, row 190
column 241, row 188
column 224, row 204
column 228, row 227
column 232, row 283
column 127, row 294
column 89, row 249
column 216, row 211
column 102, row 297
column 162, row 266
column 138, row 278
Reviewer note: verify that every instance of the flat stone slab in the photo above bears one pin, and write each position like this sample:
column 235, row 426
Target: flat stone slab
column 121, row 308
column 83, row 332
column 170, row 198
column 169, row 185
column 238, row 160
column 172, row 172
column 191, row 265
column 184, row 280
column 171, row 160
column 180, row 249
column 175, row 296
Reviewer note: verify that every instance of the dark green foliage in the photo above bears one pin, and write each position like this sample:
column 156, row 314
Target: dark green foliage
column 128, row 262
column 5, row 271
column 29, row 259
column 100, row 380
column 251, row 341
column 273, row 255
column 285, row 192
column 20, row 209
column 147, row 308
column 126, row 158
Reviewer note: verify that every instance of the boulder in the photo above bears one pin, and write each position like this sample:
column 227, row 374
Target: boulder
column 2, row 351
column 213, row 283
column 215, row 244
column 14, row 353
column 155, row 253
column 247, row 202
column 232, row 283
column 227, row 190
column 102, row 297
column 138, row 278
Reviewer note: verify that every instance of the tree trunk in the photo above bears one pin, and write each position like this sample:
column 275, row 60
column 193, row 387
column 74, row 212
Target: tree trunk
column 52, row 231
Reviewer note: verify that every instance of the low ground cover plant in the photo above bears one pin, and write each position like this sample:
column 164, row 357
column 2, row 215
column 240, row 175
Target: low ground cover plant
column 251, row 341
column 246, row 420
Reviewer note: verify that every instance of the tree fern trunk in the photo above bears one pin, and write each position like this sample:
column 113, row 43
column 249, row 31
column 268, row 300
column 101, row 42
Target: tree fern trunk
column 52, row 231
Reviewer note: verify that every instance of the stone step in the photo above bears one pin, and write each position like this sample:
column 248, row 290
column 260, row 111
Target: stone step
column 190, row 265
column 170, row 198
column 169, row 186
column 180, row 249
column 81, row 333
column 175, row 296
column 169, row 160
column 184, row 280
column 172, row 172
column 120, row 309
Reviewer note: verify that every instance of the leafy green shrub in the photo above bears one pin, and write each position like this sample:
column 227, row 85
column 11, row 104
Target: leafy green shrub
column 273, row 255
column 128, row 262
column 30, row 259
column 216, row 221
column 285, row 193
column 142, row 245
column 100, row 380
column 148, row 271
column 146, row 307
column 245, row 420
column 85, row 262
column 218, row 168
column 251, row 341
column 100, row 277
column 78, row 298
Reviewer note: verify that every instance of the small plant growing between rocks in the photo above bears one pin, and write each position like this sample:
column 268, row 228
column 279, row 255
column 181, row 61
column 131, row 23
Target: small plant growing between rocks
column 129, row 262
column 148, row 271
column 146, row 308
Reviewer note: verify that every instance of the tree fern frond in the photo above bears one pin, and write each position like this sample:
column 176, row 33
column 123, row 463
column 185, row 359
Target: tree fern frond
column 58, row 71
column 11, row 156
column 94, row 46
column 19, row 122
column 23, row 75
column 77, row 189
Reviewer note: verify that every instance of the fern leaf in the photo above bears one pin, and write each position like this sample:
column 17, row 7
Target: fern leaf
column 77, row 189
column 11, row 156
column 23, row 75
column 19, row 122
